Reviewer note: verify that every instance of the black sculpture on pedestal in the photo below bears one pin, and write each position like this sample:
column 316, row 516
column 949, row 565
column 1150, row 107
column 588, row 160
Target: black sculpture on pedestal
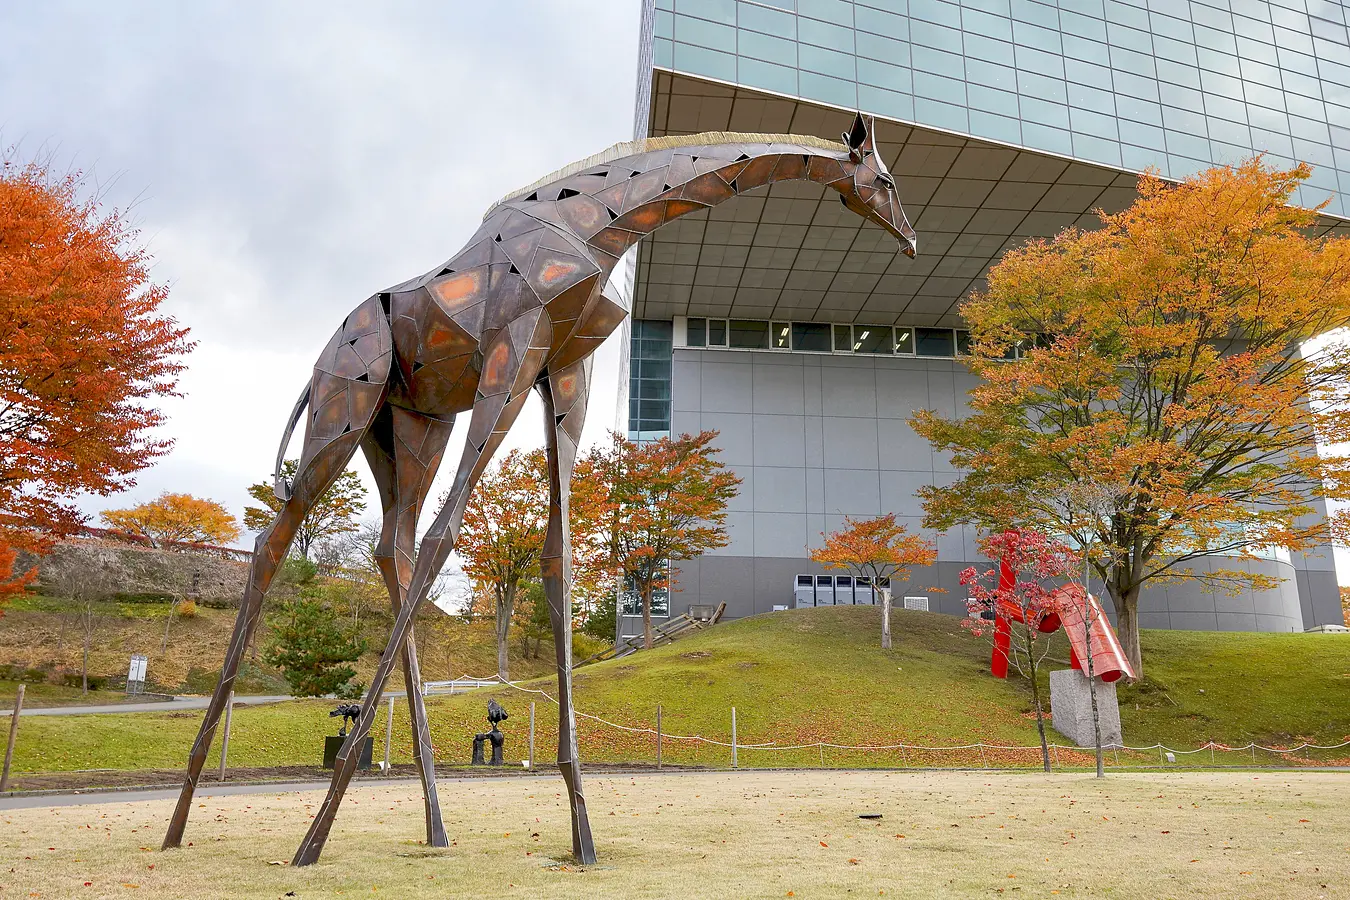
column 349, row 712
column 521, row 308
column 496, row 714
column 332, row 745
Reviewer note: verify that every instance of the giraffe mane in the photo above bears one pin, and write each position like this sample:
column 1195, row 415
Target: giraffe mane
column 646, row 145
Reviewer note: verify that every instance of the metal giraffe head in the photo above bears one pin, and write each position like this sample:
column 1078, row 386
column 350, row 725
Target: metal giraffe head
column 873, row 193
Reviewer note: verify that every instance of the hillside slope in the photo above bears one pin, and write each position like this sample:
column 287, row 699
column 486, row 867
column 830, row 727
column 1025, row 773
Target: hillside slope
column 796, row 677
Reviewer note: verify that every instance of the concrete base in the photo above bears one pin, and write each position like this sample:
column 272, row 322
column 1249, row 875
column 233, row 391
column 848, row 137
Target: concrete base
column 1071, row 708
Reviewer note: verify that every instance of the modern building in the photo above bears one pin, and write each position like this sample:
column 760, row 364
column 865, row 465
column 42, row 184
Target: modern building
column 784, row 322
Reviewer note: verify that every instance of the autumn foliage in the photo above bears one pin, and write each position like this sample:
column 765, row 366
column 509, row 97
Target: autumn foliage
column 84, row 352
column 176, row 518
column 1160, row 360
column 502, row 538
column 878, row 549
column 651, row 502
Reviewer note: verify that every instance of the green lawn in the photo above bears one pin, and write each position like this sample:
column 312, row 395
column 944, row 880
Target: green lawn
column 796, row 677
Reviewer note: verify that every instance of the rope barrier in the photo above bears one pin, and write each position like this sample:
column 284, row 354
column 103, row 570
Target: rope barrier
column 902, row 747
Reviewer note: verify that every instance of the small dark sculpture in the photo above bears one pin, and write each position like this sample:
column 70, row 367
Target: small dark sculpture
column 349, row 712
column 521, row 308
column 496, row 714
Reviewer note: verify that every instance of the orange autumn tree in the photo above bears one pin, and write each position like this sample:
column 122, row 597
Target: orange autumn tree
column 880, row 550
column 84, row 353
column 653, row 502
column 176, row 518
column 502, row 538
column 1160, row 359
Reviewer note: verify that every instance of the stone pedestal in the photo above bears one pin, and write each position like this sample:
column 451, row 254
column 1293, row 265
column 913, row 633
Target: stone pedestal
column 1071, row 708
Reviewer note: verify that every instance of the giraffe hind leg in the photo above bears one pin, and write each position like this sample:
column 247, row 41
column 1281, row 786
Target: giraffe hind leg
column 404, row 450
column 349, row 391
column 564, row 396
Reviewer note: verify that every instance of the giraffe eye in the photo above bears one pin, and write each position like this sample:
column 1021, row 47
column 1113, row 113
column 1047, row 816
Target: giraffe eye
column 886, row 181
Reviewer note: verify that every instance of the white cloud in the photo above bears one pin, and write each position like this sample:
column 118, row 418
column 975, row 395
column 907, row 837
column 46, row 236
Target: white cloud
column 285, row 161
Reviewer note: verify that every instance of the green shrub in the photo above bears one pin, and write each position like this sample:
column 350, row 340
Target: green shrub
column 313, row 651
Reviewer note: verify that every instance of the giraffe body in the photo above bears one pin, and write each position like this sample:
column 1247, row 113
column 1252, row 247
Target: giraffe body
column 521, row 307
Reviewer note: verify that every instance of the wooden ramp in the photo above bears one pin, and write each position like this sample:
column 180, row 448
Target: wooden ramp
column 665, row 633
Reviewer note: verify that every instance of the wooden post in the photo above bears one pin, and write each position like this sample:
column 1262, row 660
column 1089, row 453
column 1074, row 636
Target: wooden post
column 225, row 741
column 13, row 734
column 658, row 735
column 388, row 735
column 733, row 737
column 531, row 737
column 885, row 618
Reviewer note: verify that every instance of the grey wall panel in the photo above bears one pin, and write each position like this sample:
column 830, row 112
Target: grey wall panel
column 774, row 530
column 851, row 443
column 901, row 392
column 852, row 492
column 900, row 447
column 736, row 436
column 780, row 490
column 686, row 385
column 779, row 389
column 726, row 387
column 849, row 392
column 779, row 440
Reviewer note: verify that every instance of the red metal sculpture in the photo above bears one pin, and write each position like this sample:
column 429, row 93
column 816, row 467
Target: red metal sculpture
column 521, row 307
column 1083, row 621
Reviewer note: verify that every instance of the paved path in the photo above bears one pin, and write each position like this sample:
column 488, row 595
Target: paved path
column 174, row 705
column 135, row 795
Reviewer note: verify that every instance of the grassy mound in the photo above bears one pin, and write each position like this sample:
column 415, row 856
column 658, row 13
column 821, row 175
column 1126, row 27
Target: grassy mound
column 797, row 677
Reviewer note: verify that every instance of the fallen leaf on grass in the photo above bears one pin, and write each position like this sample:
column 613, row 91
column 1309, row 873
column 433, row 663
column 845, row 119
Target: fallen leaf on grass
column 823, row 844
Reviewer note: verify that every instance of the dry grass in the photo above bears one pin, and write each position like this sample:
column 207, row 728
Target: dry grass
column 727, row 835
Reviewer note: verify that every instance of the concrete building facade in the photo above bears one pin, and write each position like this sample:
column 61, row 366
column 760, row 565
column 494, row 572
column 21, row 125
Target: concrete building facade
column 797, row 332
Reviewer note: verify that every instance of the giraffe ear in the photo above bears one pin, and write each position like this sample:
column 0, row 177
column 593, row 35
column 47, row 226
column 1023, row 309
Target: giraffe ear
column 859, row 137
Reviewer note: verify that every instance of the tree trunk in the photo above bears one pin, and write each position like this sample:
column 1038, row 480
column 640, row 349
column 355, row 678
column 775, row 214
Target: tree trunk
column 885, row 618
column 505, row 601
column 647, row 615
column 84, row 659
column 164, row 646
column 1036, row 699
column 1127, row 626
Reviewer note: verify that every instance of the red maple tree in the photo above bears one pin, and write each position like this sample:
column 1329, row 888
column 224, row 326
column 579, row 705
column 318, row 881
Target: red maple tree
column 84, row 350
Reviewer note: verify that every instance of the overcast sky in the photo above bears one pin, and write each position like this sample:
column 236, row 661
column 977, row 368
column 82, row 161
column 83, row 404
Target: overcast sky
column 286, row 160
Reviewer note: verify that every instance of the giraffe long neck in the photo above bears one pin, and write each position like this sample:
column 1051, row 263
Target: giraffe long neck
column 613, row 205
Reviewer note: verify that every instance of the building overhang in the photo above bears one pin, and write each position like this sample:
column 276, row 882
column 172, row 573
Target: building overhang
column 791, row 251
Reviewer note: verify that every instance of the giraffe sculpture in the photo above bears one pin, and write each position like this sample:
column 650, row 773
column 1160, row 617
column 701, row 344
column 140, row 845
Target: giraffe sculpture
column 522, row 306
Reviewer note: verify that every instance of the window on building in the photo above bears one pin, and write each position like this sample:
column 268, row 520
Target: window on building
column 963, row 343
column 782, row 334
column 649, row 376
column 696, row 333
column 811, row 336
column 843, row 338
column 872, row 339
column 904, row 341
column 935, row 342
column 717, row 332
column 747, row 334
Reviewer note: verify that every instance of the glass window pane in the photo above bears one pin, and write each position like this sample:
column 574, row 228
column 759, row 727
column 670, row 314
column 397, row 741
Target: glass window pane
column 843, row 338
column 904, row 341
column 871, row 339
column 935, row 342
column 781, row 332
column 717, row 332
column 963, row 343
column 749, row 335
column 697, row 334
column 811, row 336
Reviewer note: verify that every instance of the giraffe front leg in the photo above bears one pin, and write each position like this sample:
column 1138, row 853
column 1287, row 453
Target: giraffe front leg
column 508, row 373
column 564, row 395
